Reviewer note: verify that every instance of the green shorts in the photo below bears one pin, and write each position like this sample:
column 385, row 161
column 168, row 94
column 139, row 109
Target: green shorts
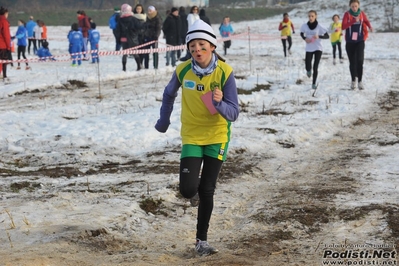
column 218, row 151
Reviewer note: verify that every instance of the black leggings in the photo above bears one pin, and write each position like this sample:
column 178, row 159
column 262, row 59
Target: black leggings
column 284, row 41
column 125, row 46
column 334, row 46
column 308, row 63
column 30, row 42
column 191, row 183
column 21, row 50
column 355, row 52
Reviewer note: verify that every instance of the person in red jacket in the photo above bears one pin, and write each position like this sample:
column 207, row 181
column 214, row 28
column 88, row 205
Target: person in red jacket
column 5, row 39
column 84, row 27
column 356, row 26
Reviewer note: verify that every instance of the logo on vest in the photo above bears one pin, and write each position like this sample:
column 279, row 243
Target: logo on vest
column 200, row 87
column 189, row 84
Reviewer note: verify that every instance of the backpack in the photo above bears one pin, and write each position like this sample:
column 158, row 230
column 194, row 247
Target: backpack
column 112, row 22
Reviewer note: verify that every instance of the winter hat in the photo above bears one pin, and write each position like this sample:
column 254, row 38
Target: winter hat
column 126, row 10
column 201, row 30
column 173, row 9
column 117, row 8
column 152, row 8
column 45, row 44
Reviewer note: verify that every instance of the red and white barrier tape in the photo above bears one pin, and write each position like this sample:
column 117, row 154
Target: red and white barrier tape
column 137, row 50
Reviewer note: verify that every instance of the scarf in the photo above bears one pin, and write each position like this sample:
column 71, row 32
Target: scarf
column 201, row 72
column 355, row 14
column 313, row 25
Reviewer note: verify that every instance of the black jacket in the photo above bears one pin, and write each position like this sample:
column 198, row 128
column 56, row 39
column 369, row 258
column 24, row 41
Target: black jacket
column 184, row 26
column 203, row 16
column 153, row 28
column 129, row 28
column 171, row 29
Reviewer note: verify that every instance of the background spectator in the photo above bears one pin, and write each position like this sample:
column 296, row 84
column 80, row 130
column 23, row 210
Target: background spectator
column 31, row 39
column 152, row 32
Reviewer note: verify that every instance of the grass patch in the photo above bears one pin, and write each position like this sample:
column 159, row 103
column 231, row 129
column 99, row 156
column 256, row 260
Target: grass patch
column 78, row 83
column 153, row 206
column 17, row 186
column 258, row 87
column 268, row 130
column 310, row 103
column 273, row 111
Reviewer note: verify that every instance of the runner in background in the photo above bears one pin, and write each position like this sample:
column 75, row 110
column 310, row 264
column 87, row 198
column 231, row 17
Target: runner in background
column 356, row 26
column 336, row 38
column 226, row 30
column 312, row 32
column 287, row 28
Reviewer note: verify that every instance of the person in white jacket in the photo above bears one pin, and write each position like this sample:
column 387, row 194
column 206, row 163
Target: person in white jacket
column 191, row 18
column 37, row 33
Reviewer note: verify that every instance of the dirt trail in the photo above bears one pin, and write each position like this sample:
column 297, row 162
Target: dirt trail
column 270, row 209
column 292, row 205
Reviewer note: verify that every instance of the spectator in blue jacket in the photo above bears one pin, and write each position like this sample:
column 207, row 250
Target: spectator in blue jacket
column 22, row 37
column 113, row 23
column 44, row 53
column 31, row 38
column 94, row 39
column 75, row 38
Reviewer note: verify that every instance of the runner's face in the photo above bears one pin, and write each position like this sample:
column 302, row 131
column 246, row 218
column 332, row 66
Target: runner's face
column 312, row 17
column 355, row 7
column 201, row 52
column 139, row 10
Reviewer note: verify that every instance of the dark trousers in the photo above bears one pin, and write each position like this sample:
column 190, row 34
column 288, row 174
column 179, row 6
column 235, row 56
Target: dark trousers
column 226, row 45
column 125, row 46
column 4, row 55
column 334, row 46
column 30, row 42
column 308, row 63
column 284, row 41
column 21, row 51
column 118, row 44
column 355, row 52
column 146, row 57
column 191, row 183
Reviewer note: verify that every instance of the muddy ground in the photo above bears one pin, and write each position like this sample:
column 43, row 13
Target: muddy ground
column 286, row 209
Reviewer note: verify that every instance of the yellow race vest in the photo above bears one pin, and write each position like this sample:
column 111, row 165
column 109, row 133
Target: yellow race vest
column 336, row 30
column 199, row 127
column 287, row 30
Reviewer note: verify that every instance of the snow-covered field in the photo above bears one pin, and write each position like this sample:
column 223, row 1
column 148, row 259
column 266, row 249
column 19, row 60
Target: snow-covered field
column 304, row 174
